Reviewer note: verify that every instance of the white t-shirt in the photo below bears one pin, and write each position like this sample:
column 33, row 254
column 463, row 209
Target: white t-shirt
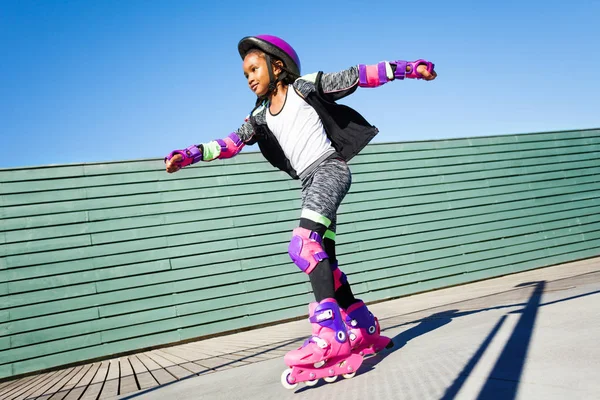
column 299, row 131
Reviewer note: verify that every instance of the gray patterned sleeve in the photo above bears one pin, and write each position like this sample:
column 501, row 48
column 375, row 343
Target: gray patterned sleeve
column 245, row 132
column 340, row 81
column 334, row 85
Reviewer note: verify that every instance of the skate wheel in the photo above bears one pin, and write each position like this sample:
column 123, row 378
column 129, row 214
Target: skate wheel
column 312, row 383
column 330, row 379
column 285, row 379
column 349, row 376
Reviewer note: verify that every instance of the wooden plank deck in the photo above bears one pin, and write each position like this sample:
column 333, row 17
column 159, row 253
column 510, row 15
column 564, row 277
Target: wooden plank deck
column 137, row 372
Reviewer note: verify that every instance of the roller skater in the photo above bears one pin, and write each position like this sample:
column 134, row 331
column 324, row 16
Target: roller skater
column 301, row 130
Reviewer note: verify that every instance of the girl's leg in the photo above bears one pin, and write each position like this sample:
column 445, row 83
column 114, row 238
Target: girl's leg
column 363, row 327
column 329, row 346
column 322, row 193
column 343, row 293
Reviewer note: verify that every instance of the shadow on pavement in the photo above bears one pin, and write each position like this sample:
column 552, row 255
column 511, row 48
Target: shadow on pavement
column 503, row 380
column 509, row 365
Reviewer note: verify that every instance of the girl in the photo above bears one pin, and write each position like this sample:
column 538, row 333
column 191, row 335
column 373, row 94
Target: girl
column 301, row 130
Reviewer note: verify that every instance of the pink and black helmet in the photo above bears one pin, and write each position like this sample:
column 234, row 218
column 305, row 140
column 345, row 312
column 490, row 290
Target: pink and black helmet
column 274, row 46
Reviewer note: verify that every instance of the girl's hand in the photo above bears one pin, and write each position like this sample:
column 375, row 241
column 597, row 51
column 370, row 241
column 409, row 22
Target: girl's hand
column 428, row 76
column 173, row 164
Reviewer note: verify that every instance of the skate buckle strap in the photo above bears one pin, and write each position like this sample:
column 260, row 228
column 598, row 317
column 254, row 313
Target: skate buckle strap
column 319, row 342
column 321, row 316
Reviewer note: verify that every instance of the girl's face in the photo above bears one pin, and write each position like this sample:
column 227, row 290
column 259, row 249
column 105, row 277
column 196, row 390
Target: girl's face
column 255, row 70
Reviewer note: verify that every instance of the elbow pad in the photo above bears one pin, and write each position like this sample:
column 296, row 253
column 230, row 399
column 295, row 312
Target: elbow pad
column 223, row 148
column 230, row 146
column 375, row 75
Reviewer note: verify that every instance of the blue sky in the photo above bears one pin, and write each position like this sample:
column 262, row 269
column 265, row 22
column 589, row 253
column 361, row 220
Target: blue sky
column 95, row 81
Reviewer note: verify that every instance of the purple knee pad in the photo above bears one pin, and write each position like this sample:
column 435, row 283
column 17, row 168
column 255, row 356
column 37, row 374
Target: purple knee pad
column 191, row 155
column 401, row 67
column 305, row 249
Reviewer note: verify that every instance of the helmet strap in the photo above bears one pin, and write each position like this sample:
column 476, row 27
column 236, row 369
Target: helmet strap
column 272, row 80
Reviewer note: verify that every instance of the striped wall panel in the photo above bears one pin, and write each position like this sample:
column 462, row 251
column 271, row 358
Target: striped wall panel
column 101, row 259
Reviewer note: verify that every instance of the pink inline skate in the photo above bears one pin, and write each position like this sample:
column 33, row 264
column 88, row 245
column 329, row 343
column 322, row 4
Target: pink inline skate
column 364, row 331
column 326, row 354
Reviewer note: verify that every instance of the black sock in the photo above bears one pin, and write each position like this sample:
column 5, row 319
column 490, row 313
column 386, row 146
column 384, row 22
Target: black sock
column 329, row 247
column 343, row 295
column 321, row 279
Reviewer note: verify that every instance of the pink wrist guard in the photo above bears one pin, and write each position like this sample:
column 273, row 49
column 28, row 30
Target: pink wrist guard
column 401, row 67
column 191, row 155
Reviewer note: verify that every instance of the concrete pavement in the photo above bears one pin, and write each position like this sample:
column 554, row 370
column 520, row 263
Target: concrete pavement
column 531, row 335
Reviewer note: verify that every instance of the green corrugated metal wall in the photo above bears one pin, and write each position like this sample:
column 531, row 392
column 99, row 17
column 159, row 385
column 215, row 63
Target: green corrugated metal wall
column 99, row 259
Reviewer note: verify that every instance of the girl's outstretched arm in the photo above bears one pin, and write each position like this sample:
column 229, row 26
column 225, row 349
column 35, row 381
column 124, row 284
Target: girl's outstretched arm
column 219, row 148
column 340, row 84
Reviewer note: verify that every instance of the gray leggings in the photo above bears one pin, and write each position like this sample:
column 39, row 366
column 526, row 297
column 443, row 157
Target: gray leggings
column 324, row 189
